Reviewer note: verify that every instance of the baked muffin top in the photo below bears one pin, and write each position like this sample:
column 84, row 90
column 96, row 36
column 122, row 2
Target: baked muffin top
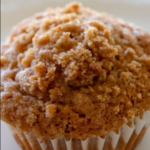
column 74, row 72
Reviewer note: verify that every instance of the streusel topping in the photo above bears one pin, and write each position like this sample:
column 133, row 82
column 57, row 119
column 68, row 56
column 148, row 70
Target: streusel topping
column 74, row 72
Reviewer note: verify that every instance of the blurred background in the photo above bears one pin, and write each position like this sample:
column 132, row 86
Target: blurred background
column 13, row 11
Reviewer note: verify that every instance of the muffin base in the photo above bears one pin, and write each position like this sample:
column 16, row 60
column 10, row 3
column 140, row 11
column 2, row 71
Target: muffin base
column 128, row 138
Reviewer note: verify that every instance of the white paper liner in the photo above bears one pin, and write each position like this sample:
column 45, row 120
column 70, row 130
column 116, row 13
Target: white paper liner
column 126, row 139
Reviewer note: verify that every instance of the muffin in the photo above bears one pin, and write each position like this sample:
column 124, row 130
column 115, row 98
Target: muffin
column 73, row 78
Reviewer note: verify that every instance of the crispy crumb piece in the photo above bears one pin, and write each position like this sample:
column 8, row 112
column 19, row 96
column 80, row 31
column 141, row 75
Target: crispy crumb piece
column 50, row 111
column 3, row 60
column 148, row 61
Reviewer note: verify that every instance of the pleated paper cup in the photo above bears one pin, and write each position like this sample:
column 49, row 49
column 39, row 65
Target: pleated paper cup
column 127, row 139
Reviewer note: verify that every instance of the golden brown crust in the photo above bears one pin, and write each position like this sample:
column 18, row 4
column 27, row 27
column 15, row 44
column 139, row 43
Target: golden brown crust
column 74, row 72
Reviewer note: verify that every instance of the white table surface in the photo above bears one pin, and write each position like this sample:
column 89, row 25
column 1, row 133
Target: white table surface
column 13, row 11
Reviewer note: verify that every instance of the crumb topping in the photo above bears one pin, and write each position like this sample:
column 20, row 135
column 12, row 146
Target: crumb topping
column 74, row 72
